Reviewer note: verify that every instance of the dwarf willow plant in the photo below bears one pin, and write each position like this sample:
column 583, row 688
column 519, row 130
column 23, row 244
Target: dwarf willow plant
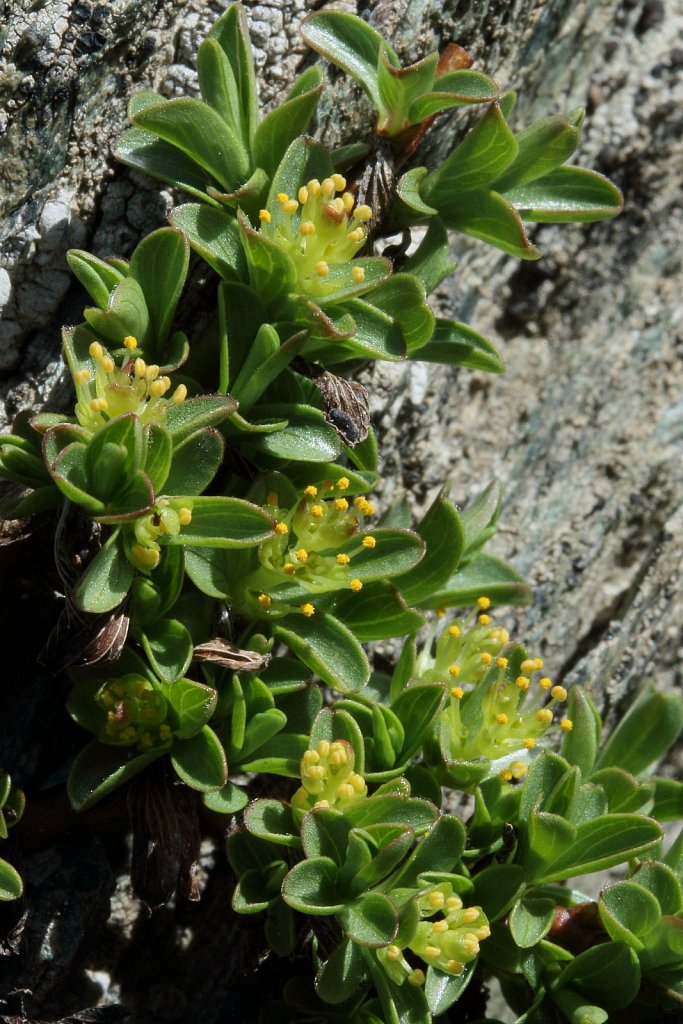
column 224, row 565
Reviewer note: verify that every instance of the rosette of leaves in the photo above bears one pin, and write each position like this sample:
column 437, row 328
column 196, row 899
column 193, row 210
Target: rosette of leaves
column 218, row 148
column 12, row 804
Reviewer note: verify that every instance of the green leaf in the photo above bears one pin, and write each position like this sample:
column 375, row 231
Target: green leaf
column 306, row 438
column 486, row 151
column 335, row 723
column 624, row 792
column 106, row 581
column 650, row 727
column 100, row 769
column 439, row 850
column 456, row 344
column 408, row 192
column 214, row 235
column 662, row 882
column 377, row 612
column 543, row 146
column 442, row 990
column 568, row 194
column 490, row 217
column 376, row 334
column 310, row 887
column 223, row 523
column 285, row 123
column 371, row 921
column 398, row 87
column 431, row 261
column 327, row 647
column 184, row 418
column 593, row 974
column 442, row 532
column 168, row 645
column 579, row 746
column 325, row 833
column 97, row 277
column 416, row 708
column 217, row 83
column 158, row 449
column 159, row 264
column 402, row 297
column 199, row 132
column 254, row 377
column 272, row 820
column 196, row 460
column 531, row 919
column 599, row 844
column 668, row 802
column 272, row 273
column 498, row 887
column 231, row 32
column 419, row 814
column 395, row 552
column 143, row 151
column 305, row 159
column 483, row 575
column 480, row 517
column 454, row 89
column 628, row 913
column 228, row 800
column 191, row 705
column 351, row 44
column 11, row 885
column 126, row 314
column 200, row 761
column 342, row 973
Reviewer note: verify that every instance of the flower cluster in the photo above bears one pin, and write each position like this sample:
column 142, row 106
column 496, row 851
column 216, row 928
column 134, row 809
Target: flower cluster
column 134, row 713
column 328, row 778
column 141, row 536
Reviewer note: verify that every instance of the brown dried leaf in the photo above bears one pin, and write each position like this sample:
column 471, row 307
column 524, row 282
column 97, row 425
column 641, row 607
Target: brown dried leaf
column 346, row 406
column 222, row 652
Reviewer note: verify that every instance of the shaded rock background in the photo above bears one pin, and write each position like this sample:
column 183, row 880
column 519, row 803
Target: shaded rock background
column 585, row 430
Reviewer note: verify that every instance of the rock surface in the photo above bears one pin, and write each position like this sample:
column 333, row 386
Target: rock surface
column 585, row 429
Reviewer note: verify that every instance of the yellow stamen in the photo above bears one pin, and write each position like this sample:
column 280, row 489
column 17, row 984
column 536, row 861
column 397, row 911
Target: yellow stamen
column 310, row 491
column 436, row 899
column 522, row 682
column 369, row 542
column 165, row 732
column 440, row 926
column 502, row 663
column 96, row 350
column 454, row 967
column 107, row 364
column 307, row 609
column 484, row 620
column 282, row 197
column 313, row 188
column 289, row 568
column 264, row 216
column 506, row 776
column 156, row 388
column 559, row 693
column 453, row 903
column 454, row 631
column 529, row 665
column 432, row 952
column 440, row 613
column 265, row 600
column 321, row 805
column 152, row 372
column 566, row 724
column 303, row 194
column 357, row 235
column 290, row 207
column 343, row 483
column 519, row 769
column 317, row 511
column 301, row 554
column 82, row 376
column 345, row 792
column 358, row 275
column 356, row 585
column 180, row 394
column 539, row 663
column 341, row 504
column 486, row 658
column 394, row 953
column 98, row 404
column 545, row 715
column 321, row 268
column 457, row 692
column 327, row 187
column 416, row 978
column 339, row 182
column 454, row 670
column 363, row 214
column 545, row 683
column 348, row 201
column 483, row 603
column 311, row 757
column 307, row 228
column 323, row 748
column 470, row 915
column 343, row 558
column 530, row 743
column 130, row 342
column 281, row 529
column 502, row 718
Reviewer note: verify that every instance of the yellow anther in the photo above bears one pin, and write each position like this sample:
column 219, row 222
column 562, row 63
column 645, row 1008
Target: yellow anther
column 368, row 509
column 321, row 805
column 440, row 613
column 506, row 775
column 321, row 268
column 327, row 187
column 310, row 491
column 454, row 670
column 501, row 634
column 152, row 372
column 107, row 364
column 483, row 932
column 145, row 741
column 566, row 724
column 140, row 367
column 303, row 194
column 98, row 404
column 363, row 214
column 341, row 504
column 165, row 732
column 184, row 516
column 316, row 772
column 559, row 693
column 519, row 769
column 457, row 692
column 264, row 216
column 289, row 568
column 358, row 275
column 485, row 658
column 339, row 182
column 470, row 915
column 484, row 620
column 338, row 205
column 313, row 187
column 530, row 743
column 338, row 757
column 323, row 748
column 281, row 529
column 130, row 342
column 369, row 542
column 453, row 903
column 348, row 201
column 529, row 665
column 307, row 609
column 545, row 683
column 346, row 792
column 545, row 715
column 436, row 899
column 96, row 350
column 358, row 782
column 539, row 663
column 471, row 942
column 343, row 483
column 301, row 554
column 306, row 228
column 483, row 603
column 282, row 197
column 355, row 585
column 82, row 376
column 265, row 600
column 343, row 558
column 357, row 235
column 522, row 682
column 360, row 500
column 156, row 388
column 317, row 511
column 180, row 394
column 394, row 953
column 454, row 631
column 502, row 718
column 311, row 757
column 454, row 967
column 432, row 952
column 502, row 662
column 416, row 978
column 290, row 207
column 439, row 927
